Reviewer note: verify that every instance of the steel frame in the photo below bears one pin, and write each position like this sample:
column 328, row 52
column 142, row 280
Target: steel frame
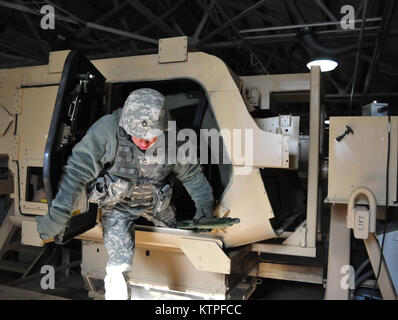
column 303, row 241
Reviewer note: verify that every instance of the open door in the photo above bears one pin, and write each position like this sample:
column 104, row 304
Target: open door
column 79, row 103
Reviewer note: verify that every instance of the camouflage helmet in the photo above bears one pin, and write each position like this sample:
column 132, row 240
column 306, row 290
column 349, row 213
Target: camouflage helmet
column 144, row 114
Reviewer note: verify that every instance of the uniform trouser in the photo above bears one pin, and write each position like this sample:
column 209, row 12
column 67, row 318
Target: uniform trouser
column 119, row 241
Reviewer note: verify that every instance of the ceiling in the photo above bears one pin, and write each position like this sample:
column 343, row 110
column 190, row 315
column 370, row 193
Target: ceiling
column 251, row 36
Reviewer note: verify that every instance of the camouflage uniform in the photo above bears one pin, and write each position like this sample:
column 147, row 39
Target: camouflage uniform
column 118, row 236
column 140, row 121
column 125, row 181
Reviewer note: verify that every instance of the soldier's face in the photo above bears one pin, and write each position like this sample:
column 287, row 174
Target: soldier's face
column 144, row 144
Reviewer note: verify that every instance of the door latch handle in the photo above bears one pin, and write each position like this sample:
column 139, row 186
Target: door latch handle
column 347, row 131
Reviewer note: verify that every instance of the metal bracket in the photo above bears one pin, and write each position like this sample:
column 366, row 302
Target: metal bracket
column 299, row 237
column 173, row 49
column 206, row 255
column 361, row 220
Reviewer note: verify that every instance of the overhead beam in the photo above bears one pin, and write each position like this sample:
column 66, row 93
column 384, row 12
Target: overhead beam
column 202, row 22
column 45, row 49
column 385, row 65
column 357, row 96
column 289, row 37
column 121, row 33
column 357, row 59
column 161, row 17
column 325, row 10
column 234, row 19
column 378, row 47
column 264, row 17
column 110, row 14
column 15, row 57
column 75, row 20
column 152, row 17
column 254, row 59
column 18, row 50
column 306, row 25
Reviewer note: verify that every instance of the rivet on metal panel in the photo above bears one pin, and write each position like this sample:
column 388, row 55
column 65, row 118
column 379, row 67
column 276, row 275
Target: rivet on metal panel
column 18, row 99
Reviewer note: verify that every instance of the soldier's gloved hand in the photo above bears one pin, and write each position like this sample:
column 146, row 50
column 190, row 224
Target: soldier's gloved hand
column 202, row 213
column 47, row 228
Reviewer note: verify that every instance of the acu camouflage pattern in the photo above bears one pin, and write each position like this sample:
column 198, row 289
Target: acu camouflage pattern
column 107, row 154
column 144, row 114
column 134, row 186
column 136, row 183
column 132, row 163
column 119, row 236
column 152, row 203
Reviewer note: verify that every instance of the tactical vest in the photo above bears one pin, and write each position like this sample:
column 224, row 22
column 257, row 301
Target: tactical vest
column 133, row 164
column 137, row 179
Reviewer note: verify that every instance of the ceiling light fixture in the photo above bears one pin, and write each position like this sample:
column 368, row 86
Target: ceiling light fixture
column 325, row 64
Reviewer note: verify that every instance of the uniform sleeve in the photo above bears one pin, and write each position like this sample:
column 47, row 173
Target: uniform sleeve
column 198, row 187
column 84, row 165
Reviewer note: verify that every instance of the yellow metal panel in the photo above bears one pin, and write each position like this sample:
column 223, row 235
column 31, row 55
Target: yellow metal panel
column 30, row 236
column 313, row 156
column 231, row 114
column 158, row 238
column 34, row 121
column 267, row 84
column 5, row 120
column 206, row 255
column 299, row 273
column 247, row 199
column 33, row 125
column 392, row 182
column 56, row 61
column 206, row 69
column 9, row 89
column 173, row 49
column 360, row 159
column 173, row 271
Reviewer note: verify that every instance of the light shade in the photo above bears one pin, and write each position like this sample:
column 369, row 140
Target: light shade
column 324, row 64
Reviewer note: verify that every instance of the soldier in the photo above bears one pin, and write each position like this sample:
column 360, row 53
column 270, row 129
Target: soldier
column 123, row 161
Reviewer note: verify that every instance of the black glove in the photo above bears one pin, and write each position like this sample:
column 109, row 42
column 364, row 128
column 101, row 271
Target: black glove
column 202, row 213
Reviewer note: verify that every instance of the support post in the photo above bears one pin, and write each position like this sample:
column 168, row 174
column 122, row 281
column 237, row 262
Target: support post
column 339, row 253
column 313, row 159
